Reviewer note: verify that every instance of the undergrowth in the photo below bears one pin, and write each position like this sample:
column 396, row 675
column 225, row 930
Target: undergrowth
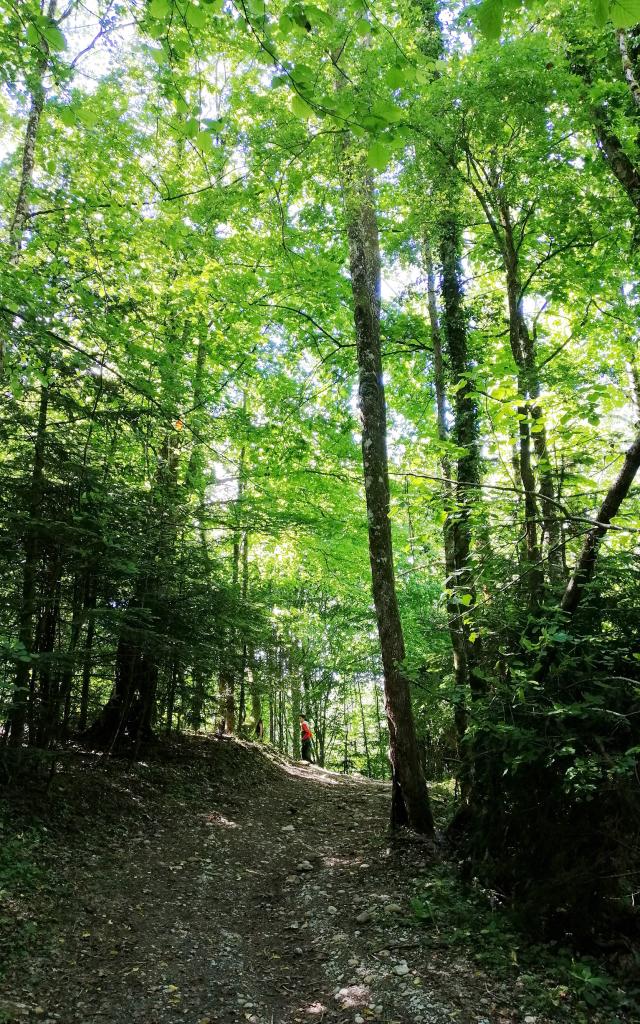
column 553, row 978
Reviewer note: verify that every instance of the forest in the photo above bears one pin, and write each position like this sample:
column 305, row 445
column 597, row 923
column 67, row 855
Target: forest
column 320, row 373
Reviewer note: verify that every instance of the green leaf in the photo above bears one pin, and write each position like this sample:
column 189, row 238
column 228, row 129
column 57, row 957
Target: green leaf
column 204, row 142
column 378, row 156
column 395, row 78
column 68, row 116
column 300, row 108
column 89, row 118
column 33, row 35
column 54, row 36
column 601, row 12
column 489, row 15
column 196, row 17
column 362, row 27
column 625, row 13
column 285, row 24
column 159, row 8
column 387, row 111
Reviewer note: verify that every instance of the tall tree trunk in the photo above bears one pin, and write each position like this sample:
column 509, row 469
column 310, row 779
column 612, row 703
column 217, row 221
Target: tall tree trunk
column 364, row 729
column 18, row 710
column 78, row 611
column 465, row 434
column 295, row 711
column 47, row 710
column 518, row 332
column 586, row 563
column 454, row 618
column 628, row 68
column 410, row 801
column 20, row 216
column 254, row 687
column 171, row 696
column 91, row 599
column 458, row 497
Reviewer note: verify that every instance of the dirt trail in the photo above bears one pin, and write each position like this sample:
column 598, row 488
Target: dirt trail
column 273, row 900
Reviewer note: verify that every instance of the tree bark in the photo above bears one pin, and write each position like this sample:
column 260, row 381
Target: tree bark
column 20, row 215
column 627, row 67
column 465, row 426
column 295, row 711
column 91, row 599
column 530, row 426
column 18, row 710
column 613, row 151
column 410, row 801
column 585, row 565
column 459, row 644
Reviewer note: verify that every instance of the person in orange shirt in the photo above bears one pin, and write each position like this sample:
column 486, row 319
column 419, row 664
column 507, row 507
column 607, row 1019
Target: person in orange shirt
column 306, row 737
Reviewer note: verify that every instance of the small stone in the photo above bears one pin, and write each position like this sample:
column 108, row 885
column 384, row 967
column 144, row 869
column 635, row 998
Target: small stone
column 401, row 969
column 393, row 908
column 288, row 828
column 358, row 1019
column 290, row 879
column 332, row 910
column 304, row 865
column 378, row 1008
column 364, row 917
column 529, row 1019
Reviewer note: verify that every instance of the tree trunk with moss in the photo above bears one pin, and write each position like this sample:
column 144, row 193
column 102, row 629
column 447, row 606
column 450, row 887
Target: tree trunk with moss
column 410, row 801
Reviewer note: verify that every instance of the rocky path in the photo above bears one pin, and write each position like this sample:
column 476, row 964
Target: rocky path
column 273, row 898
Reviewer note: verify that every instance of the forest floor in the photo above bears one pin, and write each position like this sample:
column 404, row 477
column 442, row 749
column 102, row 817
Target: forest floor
column 222, row 884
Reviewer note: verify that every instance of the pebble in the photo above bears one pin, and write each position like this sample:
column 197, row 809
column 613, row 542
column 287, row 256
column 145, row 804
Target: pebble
column 529, row 1019
column 288, row 828
column 364, row 916
column 401, row 969
column 358, row 1019
column 393, row 908
column 291, row 878
column 304, row 865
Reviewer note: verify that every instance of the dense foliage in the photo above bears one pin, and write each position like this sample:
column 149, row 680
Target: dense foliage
column 183, row 538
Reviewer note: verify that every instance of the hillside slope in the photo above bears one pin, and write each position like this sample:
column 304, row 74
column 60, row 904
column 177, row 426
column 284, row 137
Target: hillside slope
column 223, row 885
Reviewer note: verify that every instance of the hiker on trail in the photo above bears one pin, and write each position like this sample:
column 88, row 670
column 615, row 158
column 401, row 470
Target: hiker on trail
column 306, row 736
